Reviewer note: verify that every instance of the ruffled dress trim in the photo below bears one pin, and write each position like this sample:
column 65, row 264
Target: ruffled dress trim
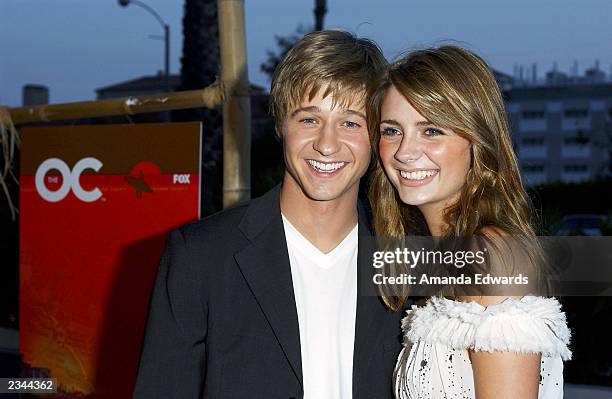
column 528, row 325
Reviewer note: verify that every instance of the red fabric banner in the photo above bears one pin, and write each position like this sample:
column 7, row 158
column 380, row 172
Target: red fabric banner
column 96, row 204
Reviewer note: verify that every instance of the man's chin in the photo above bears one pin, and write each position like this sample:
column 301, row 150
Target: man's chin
column 321, row 191
column 325, row 193
column 322, row 198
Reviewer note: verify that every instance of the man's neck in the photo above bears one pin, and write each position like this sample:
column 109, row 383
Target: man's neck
column 324, row 223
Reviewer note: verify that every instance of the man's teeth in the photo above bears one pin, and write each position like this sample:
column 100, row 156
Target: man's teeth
column 418, row 175
column 326, row 167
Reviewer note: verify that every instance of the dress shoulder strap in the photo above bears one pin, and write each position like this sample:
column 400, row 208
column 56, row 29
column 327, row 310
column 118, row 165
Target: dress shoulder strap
column 529, row 325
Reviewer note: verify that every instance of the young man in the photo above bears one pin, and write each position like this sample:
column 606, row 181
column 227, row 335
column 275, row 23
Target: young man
column 261, row 301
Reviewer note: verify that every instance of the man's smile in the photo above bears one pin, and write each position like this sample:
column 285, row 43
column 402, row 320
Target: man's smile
column 327, row 168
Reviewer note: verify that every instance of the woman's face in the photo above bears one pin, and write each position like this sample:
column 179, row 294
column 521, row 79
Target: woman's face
column 427, row 164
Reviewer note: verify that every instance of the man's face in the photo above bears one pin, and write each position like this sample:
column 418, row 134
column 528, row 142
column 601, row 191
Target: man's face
column 327, row 149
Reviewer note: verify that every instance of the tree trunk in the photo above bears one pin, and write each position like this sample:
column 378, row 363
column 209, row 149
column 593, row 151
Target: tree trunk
column 200, row 66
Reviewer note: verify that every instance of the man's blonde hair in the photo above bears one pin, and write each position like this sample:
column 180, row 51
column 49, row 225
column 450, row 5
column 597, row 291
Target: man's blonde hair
column 339, row 61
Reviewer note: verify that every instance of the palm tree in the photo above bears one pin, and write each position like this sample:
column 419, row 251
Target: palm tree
column 200, row 66
column 319, row 12
column 284, row 43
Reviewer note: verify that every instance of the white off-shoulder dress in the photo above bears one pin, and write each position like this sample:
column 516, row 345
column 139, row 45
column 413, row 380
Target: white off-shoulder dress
column 437, row 337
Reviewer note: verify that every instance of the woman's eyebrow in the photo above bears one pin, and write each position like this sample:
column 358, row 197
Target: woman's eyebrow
column 391, row 122
column 424, row 123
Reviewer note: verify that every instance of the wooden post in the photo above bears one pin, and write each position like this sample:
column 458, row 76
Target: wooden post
column 237, row 105
column 210, row 97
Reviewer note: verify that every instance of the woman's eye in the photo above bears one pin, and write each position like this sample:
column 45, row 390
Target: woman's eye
column 351, row 125
column 432, row 132
column 390, row 131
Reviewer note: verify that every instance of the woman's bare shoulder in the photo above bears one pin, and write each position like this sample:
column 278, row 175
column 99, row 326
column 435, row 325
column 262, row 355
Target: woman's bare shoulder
column 493, row 231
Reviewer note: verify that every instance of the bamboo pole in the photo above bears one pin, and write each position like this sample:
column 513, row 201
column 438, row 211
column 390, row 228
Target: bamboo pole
column 237, row 107
column 9, row 143
column 209, row 97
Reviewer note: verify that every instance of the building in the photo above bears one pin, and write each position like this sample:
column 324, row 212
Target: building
column 504, row 81
column 34, row 95
column 143, row 86
column 562, row 127
column 156, row 84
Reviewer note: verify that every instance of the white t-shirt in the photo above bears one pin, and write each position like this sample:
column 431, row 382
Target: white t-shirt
column 325, row 288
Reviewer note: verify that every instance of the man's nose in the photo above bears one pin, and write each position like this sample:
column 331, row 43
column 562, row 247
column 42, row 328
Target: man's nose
column 327, row 141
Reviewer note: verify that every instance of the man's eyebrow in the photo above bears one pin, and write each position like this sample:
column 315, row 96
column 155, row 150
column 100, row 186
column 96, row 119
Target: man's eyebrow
column 312, row 108
column 353, row 112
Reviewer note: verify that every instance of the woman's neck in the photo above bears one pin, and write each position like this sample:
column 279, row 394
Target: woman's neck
column 434, row 213
column 435, row 221
column 434, row 216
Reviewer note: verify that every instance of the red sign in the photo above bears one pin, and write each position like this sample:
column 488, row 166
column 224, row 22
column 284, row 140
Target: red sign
column 96, row 204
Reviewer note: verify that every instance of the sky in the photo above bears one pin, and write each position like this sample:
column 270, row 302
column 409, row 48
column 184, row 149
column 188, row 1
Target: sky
column 76, row 46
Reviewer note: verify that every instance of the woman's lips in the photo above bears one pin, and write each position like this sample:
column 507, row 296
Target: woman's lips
column 417, row 177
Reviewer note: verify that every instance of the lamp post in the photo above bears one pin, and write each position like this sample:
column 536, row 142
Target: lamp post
column 125, row 3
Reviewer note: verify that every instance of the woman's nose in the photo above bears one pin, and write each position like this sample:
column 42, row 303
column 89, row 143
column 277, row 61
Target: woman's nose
column 410, row 149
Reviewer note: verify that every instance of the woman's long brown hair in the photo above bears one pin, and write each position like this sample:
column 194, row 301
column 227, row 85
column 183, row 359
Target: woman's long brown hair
column 452, row 88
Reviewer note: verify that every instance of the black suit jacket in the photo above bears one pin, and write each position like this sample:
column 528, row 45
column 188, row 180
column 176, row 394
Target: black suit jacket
column 222, row 319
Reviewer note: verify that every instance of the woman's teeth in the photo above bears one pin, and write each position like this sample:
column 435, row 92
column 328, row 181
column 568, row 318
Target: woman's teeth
column 418, row 175
column 326, row 167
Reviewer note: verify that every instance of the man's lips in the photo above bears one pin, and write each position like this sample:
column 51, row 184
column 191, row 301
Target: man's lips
column 326, row 167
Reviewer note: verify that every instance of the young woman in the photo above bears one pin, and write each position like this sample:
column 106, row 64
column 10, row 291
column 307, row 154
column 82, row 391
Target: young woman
column 440, row 133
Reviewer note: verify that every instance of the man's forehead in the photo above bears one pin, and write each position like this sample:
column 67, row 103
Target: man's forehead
column 345, row 102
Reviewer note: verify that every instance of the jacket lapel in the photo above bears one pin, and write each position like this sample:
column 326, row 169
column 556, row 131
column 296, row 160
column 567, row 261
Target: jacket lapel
column 265, row 266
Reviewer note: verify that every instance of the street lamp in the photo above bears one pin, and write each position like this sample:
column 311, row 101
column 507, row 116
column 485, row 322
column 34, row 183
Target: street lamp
column 125, row 3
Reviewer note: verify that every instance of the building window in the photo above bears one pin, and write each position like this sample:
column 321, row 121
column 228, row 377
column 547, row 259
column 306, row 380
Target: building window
column 576, row 113
column 533, row 141
column 534, row 168
column 575, row 168
column 533, row 114
column 575, row 140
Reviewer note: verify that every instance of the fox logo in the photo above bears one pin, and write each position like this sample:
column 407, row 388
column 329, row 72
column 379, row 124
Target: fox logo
column 181, row 179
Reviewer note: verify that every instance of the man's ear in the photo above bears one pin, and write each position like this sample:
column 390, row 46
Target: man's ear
column 279, row 135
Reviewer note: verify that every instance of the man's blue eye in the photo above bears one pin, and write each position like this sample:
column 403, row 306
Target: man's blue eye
column 308, row 121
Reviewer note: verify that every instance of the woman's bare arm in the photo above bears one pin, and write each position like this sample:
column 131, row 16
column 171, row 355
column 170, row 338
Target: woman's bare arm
column 503, row 375
column 506, row 375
